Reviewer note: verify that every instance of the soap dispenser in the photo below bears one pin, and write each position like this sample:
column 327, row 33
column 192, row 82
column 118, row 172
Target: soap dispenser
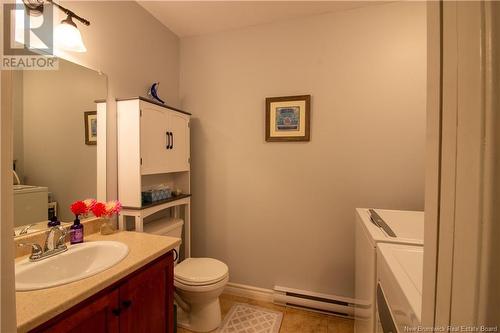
column 54, row 222
column 76, row 231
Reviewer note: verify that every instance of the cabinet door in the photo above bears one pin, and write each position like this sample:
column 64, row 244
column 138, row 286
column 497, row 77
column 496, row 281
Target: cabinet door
column 154, row 139
column 179, row 157
column 147, row 299
column 96, row 315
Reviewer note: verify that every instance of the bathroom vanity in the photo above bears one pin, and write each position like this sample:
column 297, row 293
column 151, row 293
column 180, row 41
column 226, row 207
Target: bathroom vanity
column 140, row 302
column 135, row 295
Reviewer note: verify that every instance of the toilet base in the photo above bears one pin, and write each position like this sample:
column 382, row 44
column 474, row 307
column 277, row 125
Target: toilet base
column 203, row 317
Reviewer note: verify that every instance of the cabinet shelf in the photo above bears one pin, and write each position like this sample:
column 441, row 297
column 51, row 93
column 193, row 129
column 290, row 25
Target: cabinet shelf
column 158, row 203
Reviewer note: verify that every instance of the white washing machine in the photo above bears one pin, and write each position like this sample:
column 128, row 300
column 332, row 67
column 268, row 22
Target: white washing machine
column 375, row 226
column 31, row 204
column 399, row 288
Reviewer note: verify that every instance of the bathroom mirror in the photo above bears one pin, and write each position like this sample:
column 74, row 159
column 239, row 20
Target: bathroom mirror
column 55, row 155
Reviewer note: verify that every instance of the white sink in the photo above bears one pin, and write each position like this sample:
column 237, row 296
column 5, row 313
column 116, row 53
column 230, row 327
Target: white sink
column 78, row 262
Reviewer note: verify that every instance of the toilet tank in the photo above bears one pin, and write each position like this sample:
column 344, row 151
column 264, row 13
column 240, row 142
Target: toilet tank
column 169, row 226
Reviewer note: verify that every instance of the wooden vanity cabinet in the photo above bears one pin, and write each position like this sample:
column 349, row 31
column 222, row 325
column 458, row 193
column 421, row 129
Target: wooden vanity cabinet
column 141, row 302
column 145, row 299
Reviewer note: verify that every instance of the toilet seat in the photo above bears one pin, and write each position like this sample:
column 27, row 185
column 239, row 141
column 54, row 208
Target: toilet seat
column 200, row 271
column 201, row 289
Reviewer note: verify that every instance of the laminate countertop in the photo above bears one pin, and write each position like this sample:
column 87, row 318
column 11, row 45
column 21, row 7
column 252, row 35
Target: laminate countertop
column 35, row 307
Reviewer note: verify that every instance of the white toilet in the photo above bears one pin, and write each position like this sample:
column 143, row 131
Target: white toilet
column 198, row 282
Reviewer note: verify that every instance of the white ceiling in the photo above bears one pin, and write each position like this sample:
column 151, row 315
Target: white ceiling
column 192, row 18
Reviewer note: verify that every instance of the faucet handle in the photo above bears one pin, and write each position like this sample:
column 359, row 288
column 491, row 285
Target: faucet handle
column 36, row 250
column 62, row 239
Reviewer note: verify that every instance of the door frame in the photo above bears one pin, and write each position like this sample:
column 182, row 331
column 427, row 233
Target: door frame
column 433, row 160
column 460, row 166
column 7, row 279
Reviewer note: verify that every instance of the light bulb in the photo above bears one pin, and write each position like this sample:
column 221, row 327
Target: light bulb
column 68, row 37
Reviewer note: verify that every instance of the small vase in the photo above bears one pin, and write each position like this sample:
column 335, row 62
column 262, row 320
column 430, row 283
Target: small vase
column 107, row 227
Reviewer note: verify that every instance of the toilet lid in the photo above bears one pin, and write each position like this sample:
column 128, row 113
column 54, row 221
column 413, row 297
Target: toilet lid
column 198, row 271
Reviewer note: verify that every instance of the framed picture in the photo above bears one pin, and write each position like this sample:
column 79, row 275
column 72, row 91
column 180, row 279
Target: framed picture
column 287, row 118
column 90, row 127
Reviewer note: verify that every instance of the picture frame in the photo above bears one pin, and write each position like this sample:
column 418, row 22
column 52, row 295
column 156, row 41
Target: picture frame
column 288, row 118
column 90, row 119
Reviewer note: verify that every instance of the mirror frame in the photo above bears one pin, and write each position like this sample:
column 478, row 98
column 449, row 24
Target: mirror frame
column 101, row 194
column 101, row 108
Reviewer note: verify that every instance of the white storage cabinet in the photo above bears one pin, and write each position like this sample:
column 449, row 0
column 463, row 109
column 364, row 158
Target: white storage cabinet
column 153, row 143
column 152, row 139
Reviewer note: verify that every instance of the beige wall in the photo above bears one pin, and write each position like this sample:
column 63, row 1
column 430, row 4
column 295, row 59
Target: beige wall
column 134, row 50
column 283, row 213
column 54, row 151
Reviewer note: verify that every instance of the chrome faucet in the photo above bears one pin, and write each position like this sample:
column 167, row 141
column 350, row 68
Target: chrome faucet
column 36, row 250
column 51, row 248
column 59, row 244
column 24, row 230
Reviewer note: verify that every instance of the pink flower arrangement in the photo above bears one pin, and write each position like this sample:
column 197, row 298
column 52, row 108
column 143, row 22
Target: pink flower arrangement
column 99, row 209
column 89, row 203
column 78, row 208
column 113, row 207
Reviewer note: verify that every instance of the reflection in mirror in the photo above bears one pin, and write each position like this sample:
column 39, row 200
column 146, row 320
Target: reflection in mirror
column 55, row 133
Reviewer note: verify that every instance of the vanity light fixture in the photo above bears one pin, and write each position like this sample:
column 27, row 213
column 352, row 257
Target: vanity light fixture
column 66, row 35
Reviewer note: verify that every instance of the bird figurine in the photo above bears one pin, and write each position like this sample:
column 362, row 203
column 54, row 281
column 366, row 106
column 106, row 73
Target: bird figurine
column 153, row 92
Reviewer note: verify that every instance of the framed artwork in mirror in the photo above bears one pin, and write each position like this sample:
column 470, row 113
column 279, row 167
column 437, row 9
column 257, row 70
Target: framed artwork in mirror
column 288, row 118
column 90, row 127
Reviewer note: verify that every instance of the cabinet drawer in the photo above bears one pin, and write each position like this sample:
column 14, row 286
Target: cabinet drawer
column 98, row 315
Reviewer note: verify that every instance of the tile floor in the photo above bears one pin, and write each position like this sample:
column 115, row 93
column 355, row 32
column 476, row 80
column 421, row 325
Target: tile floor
column 294, row 320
